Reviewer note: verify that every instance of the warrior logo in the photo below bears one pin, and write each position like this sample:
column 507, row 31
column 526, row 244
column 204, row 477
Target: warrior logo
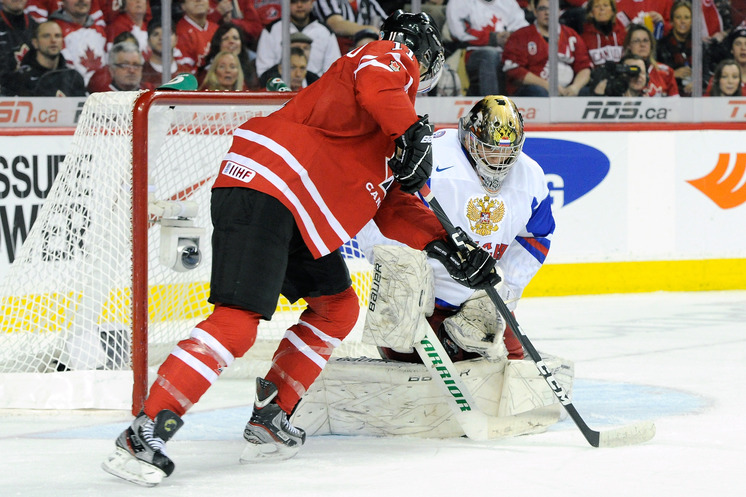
column 484, row 214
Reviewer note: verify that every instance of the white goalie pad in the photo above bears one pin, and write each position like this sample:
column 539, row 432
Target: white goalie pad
column 372, row 397
column 401, row 296
column 478, row 327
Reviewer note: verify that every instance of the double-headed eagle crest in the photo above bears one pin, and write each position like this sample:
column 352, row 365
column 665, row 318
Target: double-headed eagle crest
column 484, row 214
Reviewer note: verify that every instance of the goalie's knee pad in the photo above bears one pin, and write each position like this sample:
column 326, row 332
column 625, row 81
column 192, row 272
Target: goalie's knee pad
column 401, row 296
column 234, row 328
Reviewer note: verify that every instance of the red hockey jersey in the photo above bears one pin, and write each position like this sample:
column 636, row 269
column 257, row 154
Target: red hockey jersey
column 602, row 47
column 661, row 82
column 194, row 42
column 323, row 155
column 528, row 51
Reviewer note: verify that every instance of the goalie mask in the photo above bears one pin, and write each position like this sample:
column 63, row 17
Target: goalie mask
column 492, row 135
column 419, row 33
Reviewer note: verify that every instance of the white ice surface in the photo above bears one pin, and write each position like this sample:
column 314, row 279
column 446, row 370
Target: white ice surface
column 678, row 359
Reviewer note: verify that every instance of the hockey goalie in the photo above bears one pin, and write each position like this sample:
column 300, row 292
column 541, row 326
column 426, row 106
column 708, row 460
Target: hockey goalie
column 499, row 197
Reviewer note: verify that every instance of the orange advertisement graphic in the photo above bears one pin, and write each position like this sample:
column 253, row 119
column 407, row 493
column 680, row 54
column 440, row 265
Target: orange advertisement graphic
column 721, row 189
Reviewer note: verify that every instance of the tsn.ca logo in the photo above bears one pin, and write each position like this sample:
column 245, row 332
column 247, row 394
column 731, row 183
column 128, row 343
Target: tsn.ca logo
column 623, row 110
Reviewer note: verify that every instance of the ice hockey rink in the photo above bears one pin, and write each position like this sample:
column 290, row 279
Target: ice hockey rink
column 678, row 359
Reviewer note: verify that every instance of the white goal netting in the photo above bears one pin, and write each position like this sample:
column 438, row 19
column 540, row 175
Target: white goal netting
column 66, row 304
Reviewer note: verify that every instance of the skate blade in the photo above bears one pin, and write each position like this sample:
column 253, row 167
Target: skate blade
column 127, row 467
column 266, row 452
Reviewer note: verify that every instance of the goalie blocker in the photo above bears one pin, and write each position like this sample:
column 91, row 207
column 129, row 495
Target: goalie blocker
column 364, row 396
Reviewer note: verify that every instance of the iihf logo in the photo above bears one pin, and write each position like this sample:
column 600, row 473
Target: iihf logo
column 720, row 188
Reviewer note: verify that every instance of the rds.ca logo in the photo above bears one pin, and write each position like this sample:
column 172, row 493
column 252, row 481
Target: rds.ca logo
column 572, row 169
column 720, row 188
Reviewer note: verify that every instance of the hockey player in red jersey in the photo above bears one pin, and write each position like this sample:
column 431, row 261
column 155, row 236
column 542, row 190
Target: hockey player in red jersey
column 294, row 186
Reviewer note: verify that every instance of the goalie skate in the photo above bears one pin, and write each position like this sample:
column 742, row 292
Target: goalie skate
column 269, row 434
column 140, row 455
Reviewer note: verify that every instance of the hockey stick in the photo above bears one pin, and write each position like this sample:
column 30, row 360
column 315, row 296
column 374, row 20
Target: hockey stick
column 476, row 424
column 625, row 435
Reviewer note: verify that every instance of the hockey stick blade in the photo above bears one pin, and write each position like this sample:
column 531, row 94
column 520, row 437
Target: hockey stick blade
column 635, row 433
column 625, row 435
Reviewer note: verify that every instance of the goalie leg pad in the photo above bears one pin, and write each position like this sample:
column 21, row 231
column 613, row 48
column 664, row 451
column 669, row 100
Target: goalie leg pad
column 402, row 294
column 372, row 397
column 526, row 390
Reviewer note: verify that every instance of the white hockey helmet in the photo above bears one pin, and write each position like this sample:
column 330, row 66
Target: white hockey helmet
column 492, row 135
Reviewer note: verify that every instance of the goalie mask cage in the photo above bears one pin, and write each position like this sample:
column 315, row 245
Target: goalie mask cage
column 87, row 310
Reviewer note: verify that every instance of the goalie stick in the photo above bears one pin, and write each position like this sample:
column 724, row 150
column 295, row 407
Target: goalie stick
column 624, row 435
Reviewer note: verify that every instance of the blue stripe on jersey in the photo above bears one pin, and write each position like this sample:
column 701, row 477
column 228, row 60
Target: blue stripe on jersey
column 537, row 247
column 542, row 221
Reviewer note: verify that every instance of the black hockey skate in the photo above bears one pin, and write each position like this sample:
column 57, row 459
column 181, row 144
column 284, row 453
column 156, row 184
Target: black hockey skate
column 140, row 456
column 269, row 434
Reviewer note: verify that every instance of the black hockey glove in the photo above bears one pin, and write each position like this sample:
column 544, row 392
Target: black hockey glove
column 413, row 161
column 465, row 261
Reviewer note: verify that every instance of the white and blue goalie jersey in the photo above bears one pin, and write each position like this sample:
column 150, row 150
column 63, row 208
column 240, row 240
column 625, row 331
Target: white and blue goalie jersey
column 515, row 226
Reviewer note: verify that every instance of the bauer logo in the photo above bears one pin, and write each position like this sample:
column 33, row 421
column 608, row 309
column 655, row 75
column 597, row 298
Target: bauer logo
column 572, row 169
column 238, row 171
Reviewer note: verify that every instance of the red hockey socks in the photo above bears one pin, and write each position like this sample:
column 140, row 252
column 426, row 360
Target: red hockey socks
column 307, row 346
column 195, row 363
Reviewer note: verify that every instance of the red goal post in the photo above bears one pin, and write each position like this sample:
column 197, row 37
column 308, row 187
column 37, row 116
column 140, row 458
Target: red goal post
column 90, row 306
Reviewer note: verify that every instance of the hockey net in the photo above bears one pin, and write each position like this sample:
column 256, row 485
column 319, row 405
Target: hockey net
column 87, row 309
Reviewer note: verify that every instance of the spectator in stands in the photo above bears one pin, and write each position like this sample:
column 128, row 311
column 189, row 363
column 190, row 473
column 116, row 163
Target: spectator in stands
column 323, row 51
column 526, row 58
column 194, row 33
column 653, row 14
column 635, row 84
column 661, row 80
column 737, row 42
column 224, row 74
column 85, row 41
column 131, row 19
column 43, row 71
column 112, row 8
column 603, row 34
column 269, row 10
column 125, row 67
column 40, row 10
column 300, row 76
column 16, row 31
column 230, row 38
column 483, row 28
column 152, row 71
column 240, row 13
column 347, row 17
column 675, row 48
column 101, row 78
column 727, row 80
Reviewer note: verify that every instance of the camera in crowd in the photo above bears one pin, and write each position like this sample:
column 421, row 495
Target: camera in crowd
column 617, row 76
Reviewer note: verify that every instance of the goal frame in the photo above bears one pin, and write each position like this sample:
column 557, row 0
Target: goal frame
column 141, row 110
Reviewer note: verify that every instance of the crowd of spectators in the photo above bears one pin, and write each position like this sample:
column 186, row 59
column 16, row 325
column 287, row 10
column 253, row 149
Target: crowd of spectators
column 78, row 47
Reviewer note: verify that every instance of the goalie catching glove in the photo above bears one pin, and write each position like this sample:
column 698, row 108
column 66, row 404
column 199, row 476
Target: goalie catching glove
column 465, row 261
column 478, row 327
column 413, row 161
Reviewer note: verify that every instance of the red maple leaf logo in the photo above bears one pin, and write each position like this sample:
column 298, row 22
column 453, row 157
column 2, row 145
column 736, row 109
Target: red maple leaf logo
column 90, row 60
column 20, row 53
